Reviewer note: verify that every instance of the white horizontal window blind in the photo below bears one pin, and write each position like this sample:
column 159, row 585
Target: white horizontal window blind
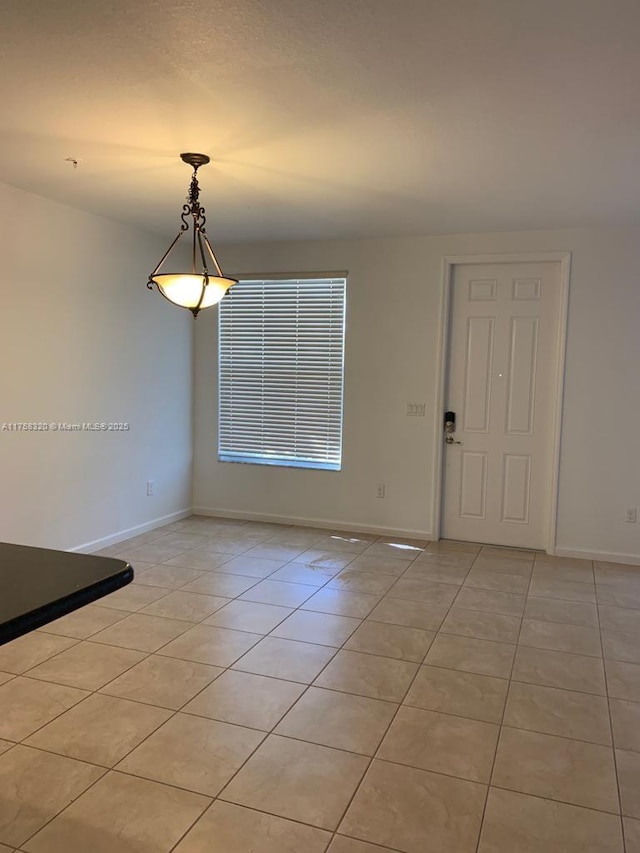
column 281, row 372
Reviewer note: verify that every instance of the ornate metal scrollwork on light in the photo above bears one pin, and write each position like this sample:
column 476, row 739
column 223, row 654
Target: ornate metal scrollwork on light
column 199, row 288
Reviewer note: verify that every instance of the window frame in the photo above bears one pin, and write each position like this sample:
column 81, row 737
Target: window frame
column 280, row 462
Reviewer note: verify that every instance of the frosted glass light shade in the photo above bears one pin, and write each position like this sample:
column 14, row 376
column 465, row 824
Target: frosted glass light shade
column 185, row 289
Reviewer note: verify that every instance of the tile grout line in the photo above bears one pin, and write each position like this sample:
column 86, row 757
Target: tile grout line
column 613, row 742
column 67, row 805
column 562, row 802
column 386, row 731
column 504, row 711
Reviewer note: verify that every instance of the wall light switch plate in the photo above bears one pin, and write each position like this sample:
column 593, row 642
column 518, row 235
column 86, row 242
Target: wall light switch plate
column 415, row 410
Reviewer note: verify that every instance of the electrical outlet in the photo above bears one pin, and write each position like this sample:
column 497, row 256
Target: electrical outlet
column 149, row 488
column 380, row 490
column 632, row 515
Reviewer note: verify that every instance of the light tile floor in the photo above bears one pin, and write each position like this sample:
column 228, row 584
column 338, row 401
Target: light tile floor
column 271, row 689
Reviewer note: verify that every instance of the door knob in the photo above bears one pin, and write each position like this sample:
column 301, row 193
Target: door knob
column 449, row 439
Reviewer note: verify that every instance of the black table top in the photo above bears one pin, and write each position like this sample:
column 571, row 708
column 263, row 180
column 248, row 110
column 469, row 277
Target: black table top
column 38, row 585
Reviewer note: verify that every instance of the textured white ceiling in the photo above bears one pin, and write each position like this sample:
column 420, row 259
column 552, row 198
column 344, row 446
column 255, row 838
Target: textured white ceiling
column 327, row 118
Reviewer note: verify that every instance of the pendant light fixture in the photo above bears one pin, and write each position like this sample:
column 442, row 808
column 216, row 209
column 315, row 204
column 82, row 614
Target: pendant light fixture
column 198, row 288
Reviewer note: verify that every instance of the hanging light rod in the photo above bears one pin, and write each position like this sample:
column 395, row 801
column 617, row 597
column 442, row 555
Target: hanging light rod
column 197, row 289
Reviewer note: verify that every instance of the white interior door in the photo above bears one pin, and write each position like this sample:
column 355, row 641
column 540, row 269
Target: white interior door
column 501, row 385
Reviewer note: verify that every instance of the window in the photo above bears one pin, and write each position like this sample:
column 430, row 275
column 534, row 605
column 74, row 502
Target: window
column 281, row 347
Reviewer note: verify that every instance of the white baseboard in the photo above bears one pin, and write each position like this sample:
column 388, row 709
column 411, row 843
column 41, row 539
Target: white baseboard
column 323, row 523
column 106, row 541
column 600, row 556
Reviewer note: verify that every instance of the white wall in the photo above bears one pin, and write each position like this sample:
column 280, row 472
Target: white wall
column 393, row 304
column 82, row 339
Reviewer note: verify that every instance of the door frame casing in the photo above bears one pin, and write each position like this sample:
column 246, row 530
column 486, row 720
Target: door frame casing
column 449, row 263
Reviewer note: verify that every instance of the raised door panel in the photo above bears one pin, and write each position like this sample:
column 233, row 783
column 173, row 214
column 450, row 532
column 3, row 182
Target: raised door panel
column 477, row 391
column 523, row 357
